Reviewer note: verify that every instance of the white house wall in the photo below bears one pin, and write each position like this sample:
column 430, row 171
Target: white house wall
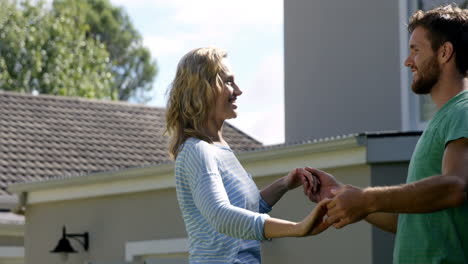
column 117, row 220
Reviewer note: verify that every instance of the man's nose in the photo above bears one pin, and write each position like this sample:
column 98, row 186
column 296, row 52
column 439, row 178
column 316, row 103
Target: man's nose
column 408, row 62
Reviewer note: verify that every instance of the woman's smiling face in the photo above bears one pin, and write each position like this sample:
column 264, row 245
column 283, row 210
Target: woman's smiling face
column 225, row 107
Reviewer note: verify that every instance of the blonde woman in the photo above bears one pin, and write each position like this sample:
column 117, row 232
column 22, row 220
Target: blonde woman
column 224, row 212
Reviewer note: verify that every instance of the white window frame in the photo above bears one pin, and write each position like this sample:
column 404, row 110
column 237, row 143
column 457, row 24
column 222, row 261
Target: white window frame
column 410, row 102
column 141, row 250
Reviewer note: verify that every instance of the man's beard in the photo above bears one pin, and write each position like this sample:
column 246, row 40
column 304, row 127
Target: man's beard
column 428, row 77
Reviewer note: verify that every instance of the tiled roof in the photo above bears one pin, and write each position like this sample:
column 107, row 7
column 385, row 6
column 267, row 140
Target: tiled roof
column 368, row 134
column 48, row 136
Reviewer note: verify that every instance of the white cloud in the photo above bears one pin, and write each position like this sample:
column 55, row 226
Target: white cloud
column 240, row 12
column 178, row 43
column 181, row 25
column 134, row 3
column 261, row 106
column 215, row 12
column 167, row 45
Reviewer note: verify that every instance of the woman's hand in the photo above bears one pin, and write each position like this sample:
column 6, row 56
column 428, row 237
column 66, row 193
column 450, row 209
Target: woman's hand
column 314, row 223
column 298, row 177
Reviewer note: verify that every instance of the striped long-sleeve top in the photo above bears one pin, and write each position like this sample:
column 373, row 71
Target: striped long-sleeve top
column 223, row 211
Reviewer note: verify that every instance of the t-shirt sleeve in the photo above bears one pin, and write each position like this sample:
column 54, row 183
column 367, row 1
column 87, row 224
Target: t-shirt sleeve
column 212, row 201
column 457, row 127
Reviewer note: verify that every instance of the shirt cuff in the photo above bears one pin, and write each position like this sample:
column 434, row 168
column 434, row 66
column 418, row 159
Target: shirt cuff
column 260, row 226
column 264, row 206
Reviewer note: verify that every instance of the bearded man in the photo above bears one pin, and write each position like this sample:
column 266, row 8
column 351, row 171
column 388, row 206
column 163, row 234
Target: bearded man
column 429, row 214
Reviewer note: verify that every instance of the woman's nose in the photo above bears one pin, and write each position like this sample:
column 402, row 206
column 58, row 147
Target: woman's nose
column 237, row 91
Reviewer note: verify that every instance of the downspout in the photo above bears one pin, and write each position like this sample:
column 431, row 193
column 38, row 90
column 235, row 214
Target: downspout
column 20, row 207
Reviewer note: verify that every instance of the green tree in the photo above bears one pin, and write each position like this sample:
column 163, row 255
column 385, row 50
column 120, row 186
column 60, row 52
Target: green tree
column 49, row 52
column 131, row 64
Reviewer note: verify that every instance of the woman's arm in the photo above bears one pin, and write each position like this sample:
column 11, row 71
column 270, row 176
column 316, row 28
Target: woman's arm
column 211, row 199
column 273, row 192
column 312, row 224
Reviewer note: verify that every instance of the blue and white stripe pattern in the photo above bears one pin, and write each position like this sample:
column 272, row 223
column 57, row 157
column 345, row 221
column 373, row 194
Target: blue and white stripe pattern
column 222, row 208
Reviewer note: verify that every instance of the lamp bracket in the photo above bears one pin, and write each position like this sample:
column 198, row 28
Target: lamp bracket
column 85, row 237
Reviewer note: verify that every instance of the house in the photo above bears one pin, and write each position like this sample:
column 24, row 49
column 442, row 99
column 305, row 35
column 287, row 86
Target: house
column 100, row 168
column 53, row 139
column 343, row 74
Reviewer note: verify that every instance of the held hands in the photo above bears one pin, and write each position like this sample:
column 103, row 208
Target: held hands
column 298, row 177
column 345, row 204
column 349, row 205
column 314, row 223
column 326, row 183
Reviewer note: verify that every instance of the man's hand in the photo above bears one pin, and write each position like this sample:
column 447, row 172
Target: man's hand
column 326, row 183
column 349, row 206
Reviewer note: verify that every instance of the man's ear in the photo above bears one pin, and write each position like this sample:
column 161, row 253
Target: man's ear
column 446, row 52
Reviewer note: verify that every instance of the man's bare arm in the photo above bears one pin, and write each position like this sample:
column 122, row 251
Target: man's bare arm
column 385, row 221
column 431, row 194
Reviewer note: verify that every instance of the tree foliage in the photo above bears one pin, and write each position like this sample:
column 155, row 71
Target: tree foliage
column 86, row 48
column 131, row 64
column 49, row 52
column 464, row 5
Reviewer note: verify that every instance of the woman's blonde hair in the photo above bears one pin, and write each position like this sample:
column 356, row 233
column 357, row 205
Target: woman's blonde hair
column 192, row 95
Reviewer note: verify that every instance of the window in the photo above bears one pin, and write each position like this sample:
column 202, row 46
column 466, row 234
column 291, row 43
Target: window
column 417, row 110
column 426, row 106
column 161, row 251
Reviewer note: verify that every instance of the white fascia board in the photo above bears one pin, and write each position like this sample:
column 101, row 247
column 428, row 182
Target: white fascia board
column 322, row 160
column 11, row 252
column 155, row 247
column 110, row 187
column 95, row 178
column 262, row 163
column 321, row 155
column 300, row 149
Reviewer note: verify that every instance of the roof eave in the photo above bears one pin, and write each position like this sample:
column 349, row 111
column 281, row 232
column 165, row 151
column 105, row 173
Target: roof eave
column 92, row 178
column 162, row 169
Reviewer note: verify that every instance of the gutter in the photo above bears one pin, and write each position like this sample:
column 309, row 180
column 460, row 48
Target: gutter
column 92, row 178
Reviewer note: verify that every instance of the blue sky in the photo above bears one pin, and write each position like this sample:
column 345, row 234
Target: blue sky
column 250, row 31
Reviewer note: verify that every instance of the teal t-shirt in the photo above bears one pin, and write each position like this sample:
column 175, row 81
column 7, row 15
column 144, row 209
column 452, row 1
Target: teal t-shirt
column 442, row 236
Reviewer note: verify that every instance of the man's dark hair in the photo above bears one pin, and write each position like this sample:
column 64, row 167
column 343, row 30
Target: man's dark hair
column 446, row 24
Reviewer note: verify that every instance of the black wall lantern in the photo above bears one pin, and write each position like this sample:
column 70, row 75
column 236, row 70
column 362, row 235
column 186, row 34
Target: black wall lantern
column 64, row 247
